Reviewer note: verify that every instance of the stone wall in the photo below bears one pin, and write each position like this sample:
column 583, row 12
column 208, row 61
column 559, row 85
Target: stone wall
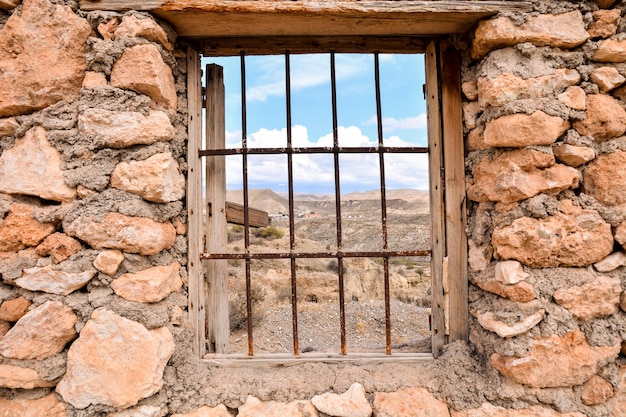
column 93, row 298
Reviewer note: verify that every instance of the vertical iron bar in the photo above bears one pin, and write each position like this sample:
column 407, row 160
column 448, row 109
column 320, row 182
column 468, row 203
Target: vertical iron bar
column 292, row 237
column 246, row 220
column 383, row 202
column 342, row 313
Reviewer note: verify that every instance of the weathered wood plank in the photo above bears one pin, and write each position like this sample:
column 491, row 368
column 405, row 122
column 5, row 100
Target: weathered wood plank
column 216, row 232
column 272, row 360
column 435, row 162
column 256, row 218
column 196, row 302
column 454, row 166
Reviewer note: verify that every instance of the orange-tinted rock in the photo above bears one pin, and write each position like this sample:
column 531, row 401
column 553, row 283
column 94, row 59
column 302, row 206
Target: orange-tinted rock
column 607, row 78
column 488, row 321
column 611, row 262
column 596, row 391
column 409, row 402
column 573, row 155
column 115, row 362
column 53, row 281
column 59, row 246
column 556, row 361
column 94, row 79
column 107, row 29
column 41, row 333
column 620, row 234
column 476, row 140
column 471, row 111
column 521, row 292
column 48, row 406
column 41, row 57
column 33, row 167
column 520, row 130
column 18, row 377
column 219, row 411
column 618, row 402
column 141, row 68
column 479, row 257
column 565, row 30
column 8, row 126
column 129, row 234
column 488, row 410
column 599, row 298
column 574, row 98
column 604, row 23
column 579, row 238
column 19, row 230
column 611, row 50
column 253, row 407
column 605, row 118
column 150, row 285
column 351, row 403
column 605, row 178
column 108, row 261
column 144, row 27
column 13, row 310
column 141, row 411
column 470, row 90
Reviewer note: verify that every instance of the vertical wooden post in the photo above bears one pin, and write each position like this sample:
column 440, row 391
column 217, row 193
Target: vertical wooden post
column 216, row 233
column 196, row 304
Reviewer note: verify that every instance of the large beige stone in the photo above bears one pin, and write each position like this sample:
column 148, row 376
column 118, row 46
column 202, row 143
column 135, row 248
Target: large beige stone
column 605, row 23
column 108, row 261
column 156, row 179
column 41, row 57
column 41, row 333
column 409, row 402
column 19, row 230
column 8, row 126
column 206, row 411
column 59, row 247
column 604, row 119
column 141, row 68
column 488, row 321
column 565, row 30
column 24, row 378
column 611, row 262
column 556, row 361
column 150, row 285
column 129, row 234
column 520, row 130
column 579, row 238
column 253, row 407
column 611, row 50
column 33, row 167
column 618, row 402
column 48, row 406
column 607, row 78
column 510, row 272
column 605, row 178
column 15, row 309
column 141, row 411
column 488, row 410
column 518, row 175
column 522, row 292
column 596, row 391
column 574, row 98
column 115, row 362
column 144, row 27
column 54, row 281
column 121, row 129
column 573, row 155
column 599, row 298
column 351, row 403
column 508, row 87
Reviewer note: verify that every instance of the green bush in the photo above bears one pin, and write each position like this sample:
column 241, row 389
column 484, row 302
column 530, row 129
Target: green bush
column 269, row 233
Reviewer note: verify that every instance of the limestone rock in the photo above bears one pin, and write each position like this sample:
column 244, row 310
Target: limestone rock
column 141, row 411
column 150, row 285
column 522, row 292
column 573, row 155
column 518, row 175
column 555, row 361
column 510, row 272
column 520, row 130
column 409, row 402
column 618, row 402
column 19, row 230
column 476, row 140
column 107, row 29
column 41, row 333
column 108, row 261
column 219, row 411
column 508, row 87
column 605, row 23
column 611, row 50
column 620, row 234
column 141, row 68
column 611, row 262
column 53, row 281
column 253, row 407
column 596, row 391
column 605, row 178
column 17, row 377
column 47, row 406
column 129, row 234
column 605, row 118
column 488, row 410
column 565, row 30
column 574, row 98
column 13, row 310
column 607, row 78
column 8, row 126
column 479, row 257
column 59, row 247
column 146, row 28
column 579, row 238
column 30, row 82
column 94, row 79
column 489, row 322
column 599, row 298
column 351, row 403
column 470, row 90
column 471, row 111
column 121, row 129
column 156, row 179
column 33, row 167
column 115, row 362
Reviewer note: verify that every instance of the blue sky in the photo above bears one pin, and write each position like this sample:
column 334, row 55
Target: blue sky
column 403, row 108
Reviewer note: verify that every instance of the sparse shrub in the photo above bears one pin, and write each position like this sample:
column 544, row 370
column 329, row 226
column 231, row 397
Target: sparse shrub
column 238, row 309
column 269, row 233
column 235, row 233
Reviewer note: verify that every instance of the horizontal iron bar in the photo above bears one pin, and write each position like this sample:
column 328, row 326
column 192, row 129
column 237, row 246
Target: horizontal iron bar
column 330, row 149
column 309, row 255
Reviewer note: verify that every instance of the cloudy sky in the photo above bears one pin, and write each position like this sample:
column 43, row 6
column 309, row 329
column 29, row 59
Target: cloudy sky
column 404, row 120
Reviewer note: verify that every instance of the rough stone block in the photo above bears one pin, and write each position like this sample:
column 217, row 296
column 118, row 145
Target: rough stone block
column 488, row 321
column 605, row 179
column 253, row 407
column 611, row 50
column 599, row 298
column 144, row 27
column 19, row 230
column 605, row 23
column 574, row 98
column 596, row 391
column 48, row 406
column 607, row 78
column 150, row 285
column 520, row 130
column 351, row 403
column 573, row 155
column 59, row 247
column 13, row 310
column 409, row 402
column 108, row 261
column 53, row 280
column 23, row 378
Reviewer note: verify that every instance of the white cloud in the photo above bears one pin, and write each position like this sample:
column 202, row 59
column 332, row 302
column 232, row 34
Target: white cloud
column 391, row 123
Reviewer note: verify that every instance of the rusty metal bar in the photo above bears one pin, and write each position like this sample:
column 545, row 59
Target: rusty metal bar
column 316, row 255
column 321, row 150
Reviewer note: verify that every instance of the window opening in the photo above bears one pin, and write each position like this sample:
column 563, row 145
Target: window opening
column 295, row 258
